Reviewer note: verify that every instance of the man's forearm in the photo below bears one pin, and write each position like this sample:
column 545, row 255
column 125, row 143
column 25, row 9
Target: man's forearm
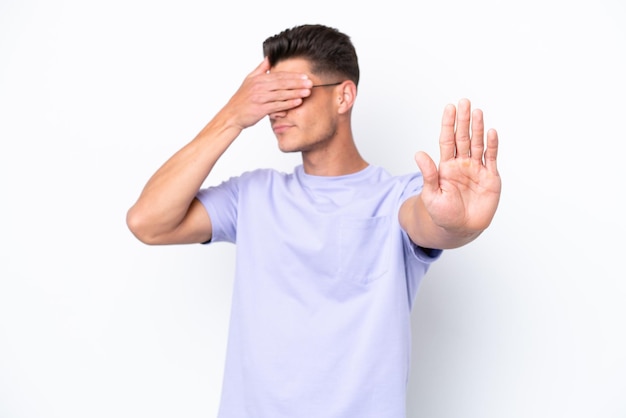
column 166, row 198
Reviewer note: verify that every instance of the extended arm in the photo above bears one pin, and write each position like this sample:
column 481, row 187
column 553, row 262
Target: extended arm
column 460, row 197
column 167, row 211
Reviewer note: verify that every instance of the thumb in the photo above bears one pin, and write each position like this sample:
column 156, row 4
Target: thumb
column 262, row 68
column 429, row 171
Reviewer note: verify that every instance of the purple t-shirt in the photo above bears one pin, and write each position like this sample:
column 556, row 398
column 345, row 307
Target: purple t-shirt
column 325, row 280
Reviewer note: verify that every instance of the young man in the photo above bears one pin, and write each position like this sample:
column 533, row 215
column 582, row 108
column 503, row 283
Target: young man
column 329, row 257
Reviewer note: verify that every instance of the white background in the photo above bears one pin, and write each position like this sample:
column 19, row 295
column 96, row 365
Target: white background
column 527, row 321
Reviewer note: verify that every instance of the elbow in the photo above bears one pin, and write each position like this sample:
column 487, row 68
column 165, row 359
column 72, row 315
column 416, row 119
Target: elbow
column 139, row 227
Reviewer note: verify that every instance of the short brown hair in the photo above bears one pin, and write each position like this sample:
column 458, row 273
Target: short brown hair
column 329, row 51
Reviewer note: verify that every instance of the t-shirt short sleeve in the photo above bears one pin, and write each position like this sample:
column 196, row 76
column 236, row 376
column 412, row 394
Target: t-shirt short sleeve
column 220, row 203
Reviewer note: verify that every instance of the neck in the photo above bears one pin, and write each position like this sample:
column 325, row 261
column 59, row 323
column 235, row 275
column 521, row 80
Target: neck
column 335, row 162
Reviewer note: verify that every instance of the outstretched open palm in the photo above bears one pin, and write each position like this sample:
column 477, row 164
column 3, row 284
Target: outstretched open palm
column 462, row 194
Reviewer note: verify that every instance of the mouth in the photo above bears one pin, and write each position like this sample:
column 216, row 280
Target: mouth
column 280, row 128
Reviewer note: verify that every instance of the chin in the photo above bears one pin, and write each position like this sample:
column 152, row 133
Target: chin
column 289, row 151
column 288, row 148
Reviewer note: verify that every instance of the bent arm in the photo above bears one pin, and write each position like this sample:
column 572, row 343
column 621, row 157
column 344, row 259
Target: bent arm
column 167, row 211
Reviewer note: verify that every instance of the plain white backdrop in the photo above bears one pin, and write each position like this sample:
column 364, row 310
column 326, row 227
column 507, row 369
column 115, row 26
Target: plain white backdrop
column 527, row 321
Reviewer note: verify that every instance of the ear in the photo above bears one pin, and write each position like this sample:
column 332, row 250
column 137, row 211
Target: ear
column 346, row 96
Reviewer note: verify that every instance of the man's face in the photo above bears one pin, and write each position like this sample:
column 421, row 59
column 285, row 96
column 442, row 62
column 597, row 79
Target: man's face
column 313, row 124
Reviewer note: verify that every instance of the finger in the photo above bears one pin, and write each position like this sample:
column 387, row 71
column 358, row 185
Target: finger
column 478, row 132
column 429, row 171
column 462, row 134
column 491, row 154
column 281, row 80
column 446, row 137
column 286, row 95
column 288, row 81
column 281, row 90
column 276, row 107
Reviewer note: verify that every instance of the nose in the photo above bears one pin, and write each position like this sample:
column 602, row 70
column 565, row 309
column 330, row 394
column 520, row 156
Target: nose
column 277, row 115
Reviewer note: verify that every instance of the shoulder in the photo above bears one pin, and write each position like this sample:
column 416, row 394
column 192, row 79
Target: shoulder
column 252, row 176
column 263, row 176
column 262, row 173
column 409, row 181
